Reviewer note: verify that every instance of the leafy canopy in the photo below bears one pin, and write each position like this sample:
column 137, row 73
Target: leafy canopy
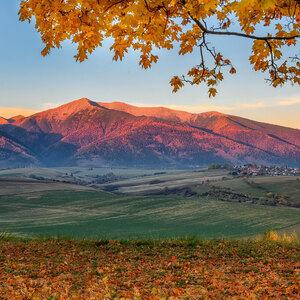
column 145, row 25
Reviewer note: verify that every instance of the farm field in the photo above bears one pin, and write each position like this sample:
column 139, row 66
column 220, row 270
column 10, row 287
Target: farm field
column 148, row 269
column 20, row 186
column 89, row 213
column 84, row 174
column 288, row 186
column 158, row 183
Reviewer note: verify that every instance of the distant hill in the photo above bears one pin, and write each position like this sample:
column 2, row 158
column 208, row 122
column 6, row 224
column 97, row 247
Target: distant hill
column 87, row 133
column 4, row 121
column 17, row 118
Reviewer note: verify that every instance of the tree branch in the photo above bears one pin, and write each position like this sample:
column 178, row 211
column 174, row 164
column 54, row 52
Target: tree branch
column 249, row 36
column 272, row 60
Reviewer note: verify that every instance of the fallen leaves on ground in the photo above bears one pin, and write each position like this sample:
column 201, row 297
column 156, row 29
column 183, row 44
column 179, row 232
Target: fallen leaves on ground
column 179, row 269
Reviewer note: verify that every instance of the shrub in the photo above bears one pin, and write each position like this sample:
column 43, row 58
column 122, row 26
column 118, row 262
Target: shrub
column 273, row 236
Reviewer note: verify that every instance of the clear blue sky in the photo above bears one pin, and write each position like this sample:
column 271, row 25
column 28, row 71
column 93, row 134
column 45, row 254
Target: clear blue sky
column 30, row 81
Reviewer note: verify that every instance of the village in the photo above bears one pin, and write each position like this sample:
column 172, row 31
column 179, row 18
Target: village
column 254, row 170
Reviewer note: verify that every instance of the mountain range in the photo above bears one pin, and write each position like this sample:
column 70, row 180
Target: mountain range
column 87, row 133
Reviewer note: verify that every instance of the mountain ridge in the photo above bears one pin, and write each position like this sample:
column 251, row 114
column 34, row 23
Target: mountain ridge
column 84, row 132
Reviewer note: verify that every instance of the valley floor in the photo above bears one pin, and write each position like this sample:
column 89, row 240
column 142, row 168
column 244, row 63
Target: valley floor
column 143, row 204
column 94, row 214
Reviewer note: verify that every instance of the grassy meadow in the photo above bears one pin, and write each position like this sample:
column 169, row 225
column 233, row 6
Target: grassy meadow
column 95, row 214
column 144, row 203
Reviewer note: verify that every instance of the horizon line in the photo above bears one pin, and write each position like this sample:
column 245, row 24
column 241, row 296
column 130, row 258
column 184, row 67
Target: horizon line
column 10, row 112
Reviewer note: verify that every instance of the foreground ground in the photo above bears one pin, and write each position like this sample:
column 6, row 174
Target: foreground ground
column 148, row 269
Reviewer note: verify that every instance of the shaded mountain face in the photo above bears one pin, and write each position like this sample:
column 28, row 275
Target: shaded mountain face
column 87, row 133
column 13, row 153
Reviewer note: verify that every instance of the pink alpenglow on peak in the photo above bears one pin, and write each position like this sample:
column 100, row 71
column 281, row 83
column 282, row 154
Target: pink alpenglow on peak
column 17, row 118
column 3, row 121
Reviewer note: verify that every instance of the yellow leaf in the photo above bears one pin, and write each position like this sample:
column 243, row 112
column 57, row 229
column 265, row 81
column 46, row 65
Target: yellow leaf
column 212, row 92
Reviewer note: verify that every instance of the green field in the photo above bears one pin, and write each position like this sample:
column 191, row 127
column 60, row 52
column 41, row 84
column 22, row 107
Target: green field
column 260, row 187
column 146, row 203
column 94, row 214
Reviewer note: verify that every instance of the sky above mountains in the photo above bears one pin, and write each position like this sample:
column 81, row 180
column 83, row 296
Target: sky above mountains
column 30, row 82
